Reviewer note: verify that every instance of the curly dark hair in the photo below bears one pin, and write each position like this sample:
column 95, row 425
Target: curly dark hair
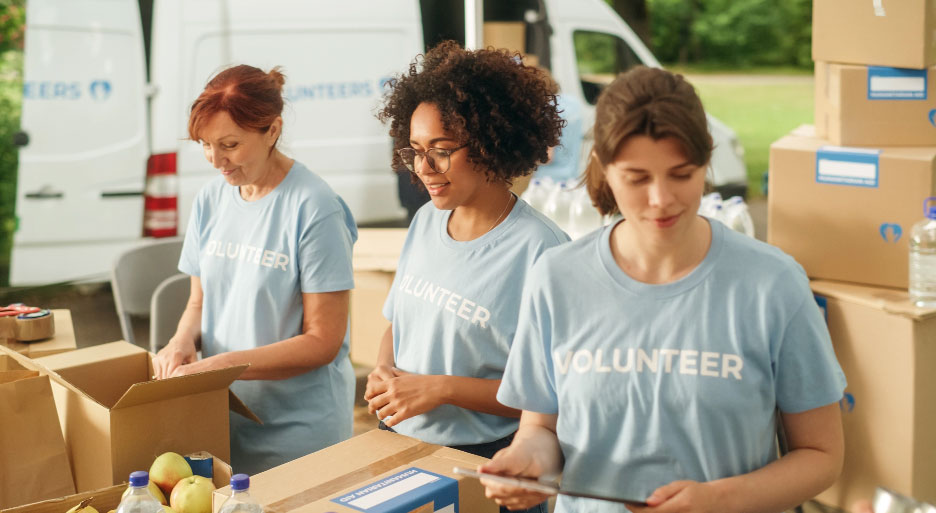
column 504, row 110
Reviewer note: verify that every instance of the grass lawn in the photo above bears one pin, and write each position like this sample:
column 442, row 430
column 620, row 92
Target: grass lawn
column 760, row 108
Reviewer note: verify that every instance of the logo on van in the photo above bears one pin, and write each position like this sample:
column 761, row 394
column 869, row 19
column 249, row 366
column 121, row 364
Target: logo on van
column 100, row 89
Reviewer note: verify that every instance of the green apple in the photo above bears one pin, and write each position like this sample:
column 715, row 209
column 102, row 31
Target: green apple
column 153, row 490
column 167, row 470
column 192, row 495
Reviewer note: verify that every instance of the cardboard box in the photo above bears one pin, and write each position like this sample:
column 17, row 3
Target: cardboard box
column 846, row 213
column 376, row 471
column 875, row 32
column 874, row 106
column 63, row 339
column 108, row 498
column 116, row 419
column 505, row 34
column 887, row 348
column 33, row 460
column 376, row 254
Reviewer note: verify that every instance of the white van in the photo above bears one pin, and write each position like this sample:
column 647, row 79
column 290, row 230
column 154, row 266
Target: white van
column 105, row 162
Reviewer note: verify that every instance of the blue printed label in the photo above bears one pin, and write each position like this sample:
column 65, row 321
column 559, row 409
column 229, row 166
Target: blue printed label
column 404, row 492
column 896, row 83
column 847, row 166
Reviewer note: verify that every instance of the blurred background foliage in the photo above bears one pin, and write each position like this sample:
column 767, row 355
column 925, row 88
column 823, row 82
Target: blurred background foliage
column 12, row 23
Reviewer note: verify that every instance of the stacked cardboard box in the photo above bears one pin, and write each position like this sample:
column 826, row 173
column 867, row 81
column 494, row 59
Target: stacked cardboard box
column 843, row 199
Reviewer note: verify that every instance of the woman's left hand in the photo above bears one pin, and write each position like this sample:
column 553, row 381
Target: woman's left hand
column 406, row 395
column 205, row 364
column 682, row 497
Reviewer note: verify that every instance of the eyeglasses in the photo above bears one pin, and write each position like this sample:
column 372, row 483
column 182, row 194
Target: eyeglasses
column 439, row 158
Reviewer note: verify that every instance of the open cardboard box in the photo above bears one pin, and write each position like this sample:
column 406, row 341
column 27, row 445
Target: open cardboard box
column 117, row 419
column 61, row 341
column 106, row 499
column 378, row 471
column 887, row 348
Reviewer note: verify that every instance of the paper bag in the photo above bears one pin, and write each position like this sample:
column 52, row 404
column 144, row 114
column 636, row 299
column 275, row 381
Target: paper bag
column 34, row 465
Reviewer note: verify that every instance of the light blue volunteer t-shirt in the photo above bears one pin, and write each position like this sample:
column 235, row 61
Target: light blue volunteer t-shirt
column 255, row 260
column 658, row 383
column 454, row 307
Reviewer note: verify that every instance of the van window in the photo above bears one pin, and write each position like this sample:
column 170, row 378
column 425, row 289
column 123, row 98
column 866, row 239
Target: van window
column 599, row 57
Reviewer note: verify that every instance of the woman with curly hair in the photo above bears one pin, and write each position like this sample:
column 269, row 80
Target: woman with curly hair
column 465, row 123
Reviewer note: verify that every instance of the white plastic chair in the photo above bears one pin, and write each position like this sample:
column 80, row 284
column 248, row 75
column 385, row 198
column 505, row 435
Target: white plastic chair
column 166, row 307
column 136, row 274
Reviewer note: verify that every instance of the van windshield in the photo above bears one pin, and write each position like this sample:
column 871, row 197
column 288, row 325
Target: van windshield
column 599, row 57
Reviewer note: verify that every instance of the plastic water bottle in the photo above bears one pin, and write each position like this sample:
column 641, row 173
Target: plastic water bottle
column 139, row 500
column 558, row 205
column 737, row 216
column 240, row 500
column 583, row 216
column 538, row 192
column 923, row 257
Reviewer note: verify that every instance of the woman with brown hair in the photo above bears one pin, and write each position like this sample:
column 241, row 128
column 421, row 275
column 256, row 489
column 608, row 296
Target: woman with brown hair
column 465, row 123
column 654, row 356
column 268, row 248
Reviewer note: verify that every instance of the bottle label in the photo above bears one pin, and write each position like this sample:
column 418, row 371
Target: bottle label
column 847, row 166
column 403, row 492
column 896, row 83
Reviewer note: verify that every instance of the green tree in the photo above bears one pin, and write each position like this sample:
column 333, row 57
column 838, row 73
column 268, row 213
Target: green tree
column 12, row 23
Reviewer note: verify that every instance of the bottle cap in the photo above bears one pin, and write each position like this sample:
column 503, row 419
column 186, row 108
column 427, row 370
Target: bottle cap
column 929, row 207
column 240, row 482
column 139, row 478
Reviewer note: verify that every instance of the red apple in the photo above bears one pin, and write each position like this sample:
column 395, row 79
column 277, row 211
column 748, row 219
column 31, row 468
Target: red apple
column 192, row 495
column 167, row 470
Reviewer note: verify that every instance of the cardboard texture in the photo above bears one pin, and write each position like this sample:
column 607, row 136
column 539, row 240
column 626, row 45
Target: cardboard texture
column 887, row 348
column 847, row 215
column 375, row 258
column 116, row 419
column 63, row 340
column 867, row 106
column 33, row 461
column 106, row 499
column 901, row 34
column 510, row 35
column 392, row 473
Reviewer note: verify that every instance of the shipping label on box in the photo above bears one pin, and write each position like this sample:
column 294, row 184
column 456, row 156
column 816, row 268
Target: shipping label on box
column 403, row 492
column 845, row 213
column 875, row 32
column 886, row 348
column 875, row 106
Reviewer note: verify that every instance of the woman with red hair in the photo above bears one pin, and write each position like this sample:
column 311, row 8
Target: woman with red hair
column 268, row 248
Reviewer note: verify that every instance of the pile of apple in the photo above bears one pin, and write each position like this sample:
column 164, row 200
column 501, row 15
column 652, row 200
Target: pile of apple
column 171, row 476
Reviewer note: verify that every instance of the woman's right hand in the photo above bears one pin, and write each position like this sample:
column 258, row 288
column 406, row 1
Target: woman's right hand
column 176, row 353
column 517, row 460
column 376, row 383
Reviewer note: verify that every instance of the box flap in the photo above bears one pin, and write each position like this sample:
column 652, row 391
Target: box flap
column 103, row 500
column 16, row 375
column 155, row 390
column 378, row 249
column 8, row 363
column 893, row 301
column 15, row 361
column 238, row 406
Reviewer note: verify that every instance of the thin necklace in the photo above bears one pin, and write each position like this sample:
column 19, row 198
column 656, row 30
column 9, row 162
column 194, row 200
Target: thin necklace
column 510, row 197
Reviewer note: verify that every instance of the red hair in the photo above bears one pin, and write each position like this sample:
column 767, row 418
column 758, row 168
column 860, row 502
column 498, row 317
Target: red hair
column 253, row 99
